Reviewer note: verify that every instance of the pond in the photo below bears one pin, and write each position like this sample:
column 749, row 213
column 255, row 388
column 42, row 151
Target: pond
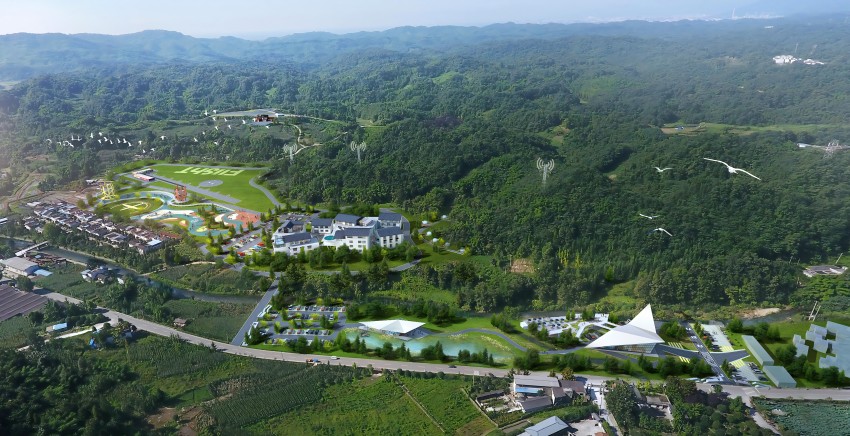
column 474, row 342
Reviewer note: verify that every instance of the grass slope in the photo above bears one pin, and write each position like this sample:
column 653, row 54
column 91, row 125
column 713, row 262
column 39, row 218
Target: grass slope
column 236, row 182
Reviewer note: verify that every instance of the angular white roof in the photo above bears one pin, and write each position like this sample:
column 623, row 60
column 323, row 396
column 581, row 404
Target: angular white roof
column 394, row 325
column 640, row 330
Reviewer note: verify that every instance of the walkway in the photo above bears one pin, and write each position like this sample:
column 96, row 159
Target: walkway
column 267, row 297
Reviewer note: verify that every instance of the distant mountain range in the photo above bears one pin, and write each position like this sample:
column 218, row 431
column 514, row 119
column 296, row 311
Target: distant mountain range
column 25, row 55
column 776, row 8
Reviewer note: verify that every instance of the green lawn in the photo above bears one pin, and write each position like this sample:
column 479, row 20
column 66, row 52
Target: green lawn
column 134, row 206
column 235, row 182
column 481, row 322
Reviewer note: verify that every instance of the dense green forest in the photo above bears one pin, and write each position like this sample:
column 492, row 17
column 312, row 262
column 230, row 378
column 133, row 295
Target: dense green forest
column 457, row 129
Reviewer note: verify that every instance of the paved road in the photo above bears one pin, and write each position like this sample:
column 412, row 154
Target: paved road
column 738, row 391
column 265, row 191
column 240, row 336
column 705, row 354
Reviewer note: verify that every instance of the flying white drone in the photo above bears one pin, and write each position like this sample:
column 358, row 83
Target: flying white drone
column 649, row 217
column 733, row 170
column 661, row 170
column 660, row 230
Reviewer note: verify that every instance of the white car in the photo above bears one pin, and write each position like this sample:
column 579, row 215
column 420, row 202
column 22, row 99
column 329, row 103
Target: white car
column 334, row 358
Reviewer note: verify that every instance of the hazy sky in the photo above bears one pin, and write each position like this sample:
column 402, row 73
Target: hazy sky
column 209, row 18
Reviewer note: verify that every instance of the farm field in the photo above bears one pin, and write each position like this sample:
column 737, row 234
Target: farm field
column 235, row 182
column 448, row 404
column 13, row 331
column 68, row 281
column 807, row 418
column 219, row 321
column 239, row 391
column 208, row 278
column 350, row 409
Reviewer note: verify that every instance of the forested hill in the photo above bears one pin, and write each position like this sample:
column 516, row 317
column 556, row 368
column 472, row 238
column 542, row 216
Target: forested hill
column 460, row 132
column 26, row 55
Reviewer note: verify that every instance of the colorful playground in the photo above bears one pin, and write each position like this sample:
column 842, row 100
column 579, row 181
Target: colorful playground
column 199, row 219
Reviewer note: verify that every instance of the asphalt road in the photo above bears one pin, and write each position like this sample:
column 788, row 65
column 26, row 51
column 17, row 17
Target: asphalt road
column 265, row 191
column 705, row 354
column 738, row 391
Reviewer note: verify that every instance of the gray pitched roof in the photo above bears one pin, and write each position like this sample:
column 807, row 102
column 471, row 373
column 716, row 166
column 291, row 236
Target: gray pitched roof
column 296, row 237
column 536, row 403
column 346, row 218
column 322, row 222
column 389, row 231
column 358, row 231
column 19, row 263
column 389, row 216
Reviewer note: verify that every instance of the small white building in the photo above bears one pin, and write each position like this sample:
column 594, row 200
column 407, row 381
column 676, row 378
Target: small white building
column 322, row 226
column 390, row 237
column 394, row 327
column 293, row 243
column 17, row 266
column 357, row 238
column 346, row 220
column 824, row 270
column 390, row 219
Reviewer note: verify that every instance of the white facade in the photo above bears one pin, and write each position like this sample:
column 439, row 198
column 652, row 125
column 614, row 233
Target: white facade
column 293, row 243
column 390, row 237
column 639, row 331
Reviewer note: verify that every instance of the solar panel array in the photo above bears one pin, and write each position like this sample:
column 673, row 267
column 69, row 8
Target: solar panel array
column 14, row 302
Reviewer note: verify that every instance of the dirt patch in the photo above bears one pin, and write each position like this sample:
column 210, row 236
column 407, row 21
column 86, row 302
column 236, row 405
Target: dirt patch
column 757, row 313
column 162, row 417
column 522, row 266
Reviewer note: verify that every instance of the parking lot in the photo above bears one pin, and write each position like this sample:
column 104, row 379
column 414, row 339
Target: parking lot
column 719, row 341
column 301, row 321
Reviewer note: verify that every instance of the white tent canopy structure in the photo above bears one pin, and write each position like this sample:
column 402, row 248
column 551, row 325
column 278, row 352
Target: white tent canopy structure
column 639, row 331
column 393, row 326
